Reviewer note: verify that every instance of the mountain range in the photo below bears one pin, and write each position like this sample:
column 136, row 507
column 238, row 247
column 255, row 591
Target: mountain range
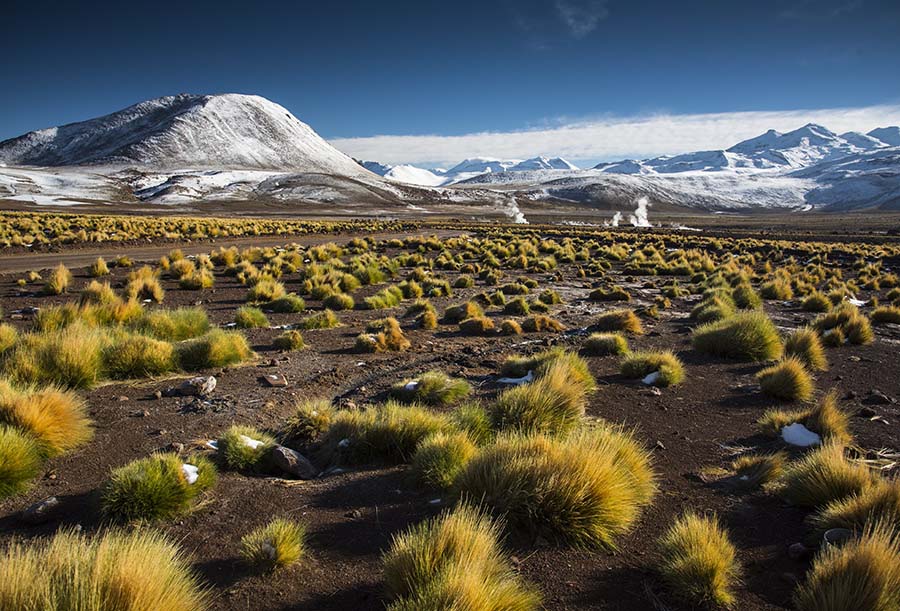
column 187, row 150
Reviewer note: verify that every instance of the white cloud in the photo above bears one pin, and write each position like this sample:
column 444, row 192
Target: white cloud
column 580, row 16
column 612, row 138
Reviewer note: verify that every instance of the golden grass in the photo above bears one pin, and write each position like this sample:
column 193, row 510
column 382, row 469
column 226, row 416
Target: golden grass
column 787, row 380
column 453, row 561
column 57, row 419
column 431, row 388
column 311, row 419
column 619, row 320
column 603, row 344
column 753, row 471
column 144, row 283
column 71, row 357
column 217, row 348
column 58, row 281
column 880, row 502
column 805, row 345
column 826, row 419
column 480, row 325
column 822, row 476
column 288, row 341
column 699, row 561
column 540, row 323
column 137, row 570
column 746, row 336
column 279, row 543
column 863, row 574
column 440, row 458
column 248, row 317
column 552, row 404
column 8, row 337
column 640, row 364
column 244, row 448
column 586, row 489
column 20, row 462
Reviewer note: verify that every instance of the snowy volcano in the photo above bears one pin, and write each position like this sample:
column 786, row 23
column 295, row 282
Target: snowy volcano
column 229, row 131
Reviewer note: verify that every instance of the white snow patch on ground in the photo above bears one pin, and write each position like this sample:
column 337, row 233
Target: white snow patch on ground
column 798, row 435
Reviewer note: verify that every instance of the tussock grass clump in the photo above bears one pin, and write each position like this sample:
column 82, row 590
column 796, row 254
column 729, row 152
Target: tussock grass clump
column 137, row 356
column 863, row 574
column 388, row 433
column 553, row 404
column 746, row 336
column 826, row 419
column 244, row 448
column 385, row 298
column 20, row 462
column 289, row 341
column 576, row 367
column 382, row 335
column 431, row 388
column 339, row 301
column 745, row 297
column 453, row 561
column 517, row 307
column 549, row 296
column 98, row 293
column 157, row 487
column 248, row 317
column 877, row 503
column 788, row 380
column 480, row 325
column 99, row 268
column 58, row 281
column 8, row 337
column 71, row 357
column 144, row 283
column 585, row 489
column 326, row 319
column 310, row 420
column 266, row 290
column 440, row 458
column 844, row 323
column 805, row 345
column 510, row 327
column 133, row 570
column 461, row 312
column 822, row 476
column 641, row 364
column 816, row 302
column 217, row 348
column 541, row 323
column 175, row 325
column 619, row 320
column 616, row 293
column 279, row 543
column 602, row 344
column 699, row 561
column 289, row 304
column 473, row 419
column 886, row 314
column 714, row 307
column 779, row 289
column 756, row 470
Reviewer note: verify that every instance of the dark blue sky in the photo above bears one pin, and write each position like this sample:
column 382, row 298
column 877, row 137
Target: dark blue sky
column 354, row 69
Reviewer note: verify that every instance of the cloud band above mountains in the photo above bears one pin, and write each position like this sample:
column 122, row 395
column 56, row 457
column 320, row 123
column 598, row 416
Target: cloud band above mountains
column 613, row 138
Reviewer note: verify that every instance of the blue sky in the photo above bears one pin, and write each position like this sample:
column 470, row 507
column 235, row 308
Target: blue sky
column 355, row 70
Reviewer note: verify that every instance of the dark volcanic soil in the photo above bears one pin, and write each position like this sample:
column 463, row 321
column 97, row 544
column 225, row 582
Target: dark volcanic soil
column 352, row 515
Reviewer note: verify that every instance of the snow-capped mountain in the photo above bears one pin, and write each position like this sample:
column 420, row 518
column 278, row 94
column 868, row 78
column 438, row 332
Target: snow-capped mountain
column 220, row 131
column 465, row 170
column 888, row 135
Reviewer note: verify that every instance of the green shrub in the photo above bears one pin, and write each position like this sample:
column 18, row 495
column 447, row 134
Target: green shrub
column 666, row 365
column 279, row 543
column 156, row 488
column 699, row 562
column 746, row 336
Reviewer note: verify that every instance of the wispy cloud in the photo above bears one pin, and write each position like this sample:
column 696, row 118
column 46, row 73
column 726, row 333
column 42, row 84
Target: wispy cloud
column 819, row 9
column 581, row 17
column 609, row 138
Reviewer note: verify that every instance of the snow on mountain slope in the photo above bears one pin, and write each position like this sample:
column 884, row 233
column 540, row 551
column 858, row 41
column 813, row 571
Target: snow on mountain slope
column 222, row 131
column 415, row 176
column 543, row 163
column 888, row 135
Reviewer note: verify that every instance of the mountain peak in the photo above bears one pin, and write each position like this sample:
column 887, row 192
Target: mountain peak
column 888, row 135
column 185, row 131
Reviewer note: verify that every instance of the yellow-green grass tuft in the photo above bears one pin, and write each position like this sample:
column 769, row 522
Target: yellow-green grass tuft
column 266, row 290
column 473, row 419
column 699, row 562
column 57, row 419
column 886, row 314
column 552, row 404
column 453, row 561
column 249, row 317
column 244, row 448
column 845, row 322
column 326, row 319
column 339, row 301
column 510, row 327
column 137, row 356
column 156, row 487
column 71, row 357
column 288, row 304
column 666, row 365
column 479, row 325
column 431, row 388
column 20, row 462
column 311, row 419
column 99, row 268
column 217, row 348
column 880, row 502
column 805, row 345
column 175, row 325
column 440, row 458
column 382, row 335
column 541, row 323
column 746, row 336
column 279, row 543
column 458, row 313
column 116, row 570
column 825, row 419
column 144, row 283
column 388, row 434
column 619, row 320
column 58, row 281
column 753, row 471
column 8, row 337
column 289, row 341
column 517, row 366
column 862, row 574
column 586, row 489
column 822, row 476
column 787, row 380
column 603, row 344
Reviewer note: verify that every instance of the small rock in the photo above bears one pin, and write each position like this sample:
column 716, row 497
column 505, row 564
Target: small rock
column 40, row 512
column 158, row 395
column 660, row 445
column 654, row 390
column 850, row 396
column 272, row 363
column 356, row 514
column 876, row 397
column 798, row 551
column 293, row 462
column 275, row 380
column 175, row 447
column 201, row 386
column 866, row 412
column 854, row 358
column 122, row 398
